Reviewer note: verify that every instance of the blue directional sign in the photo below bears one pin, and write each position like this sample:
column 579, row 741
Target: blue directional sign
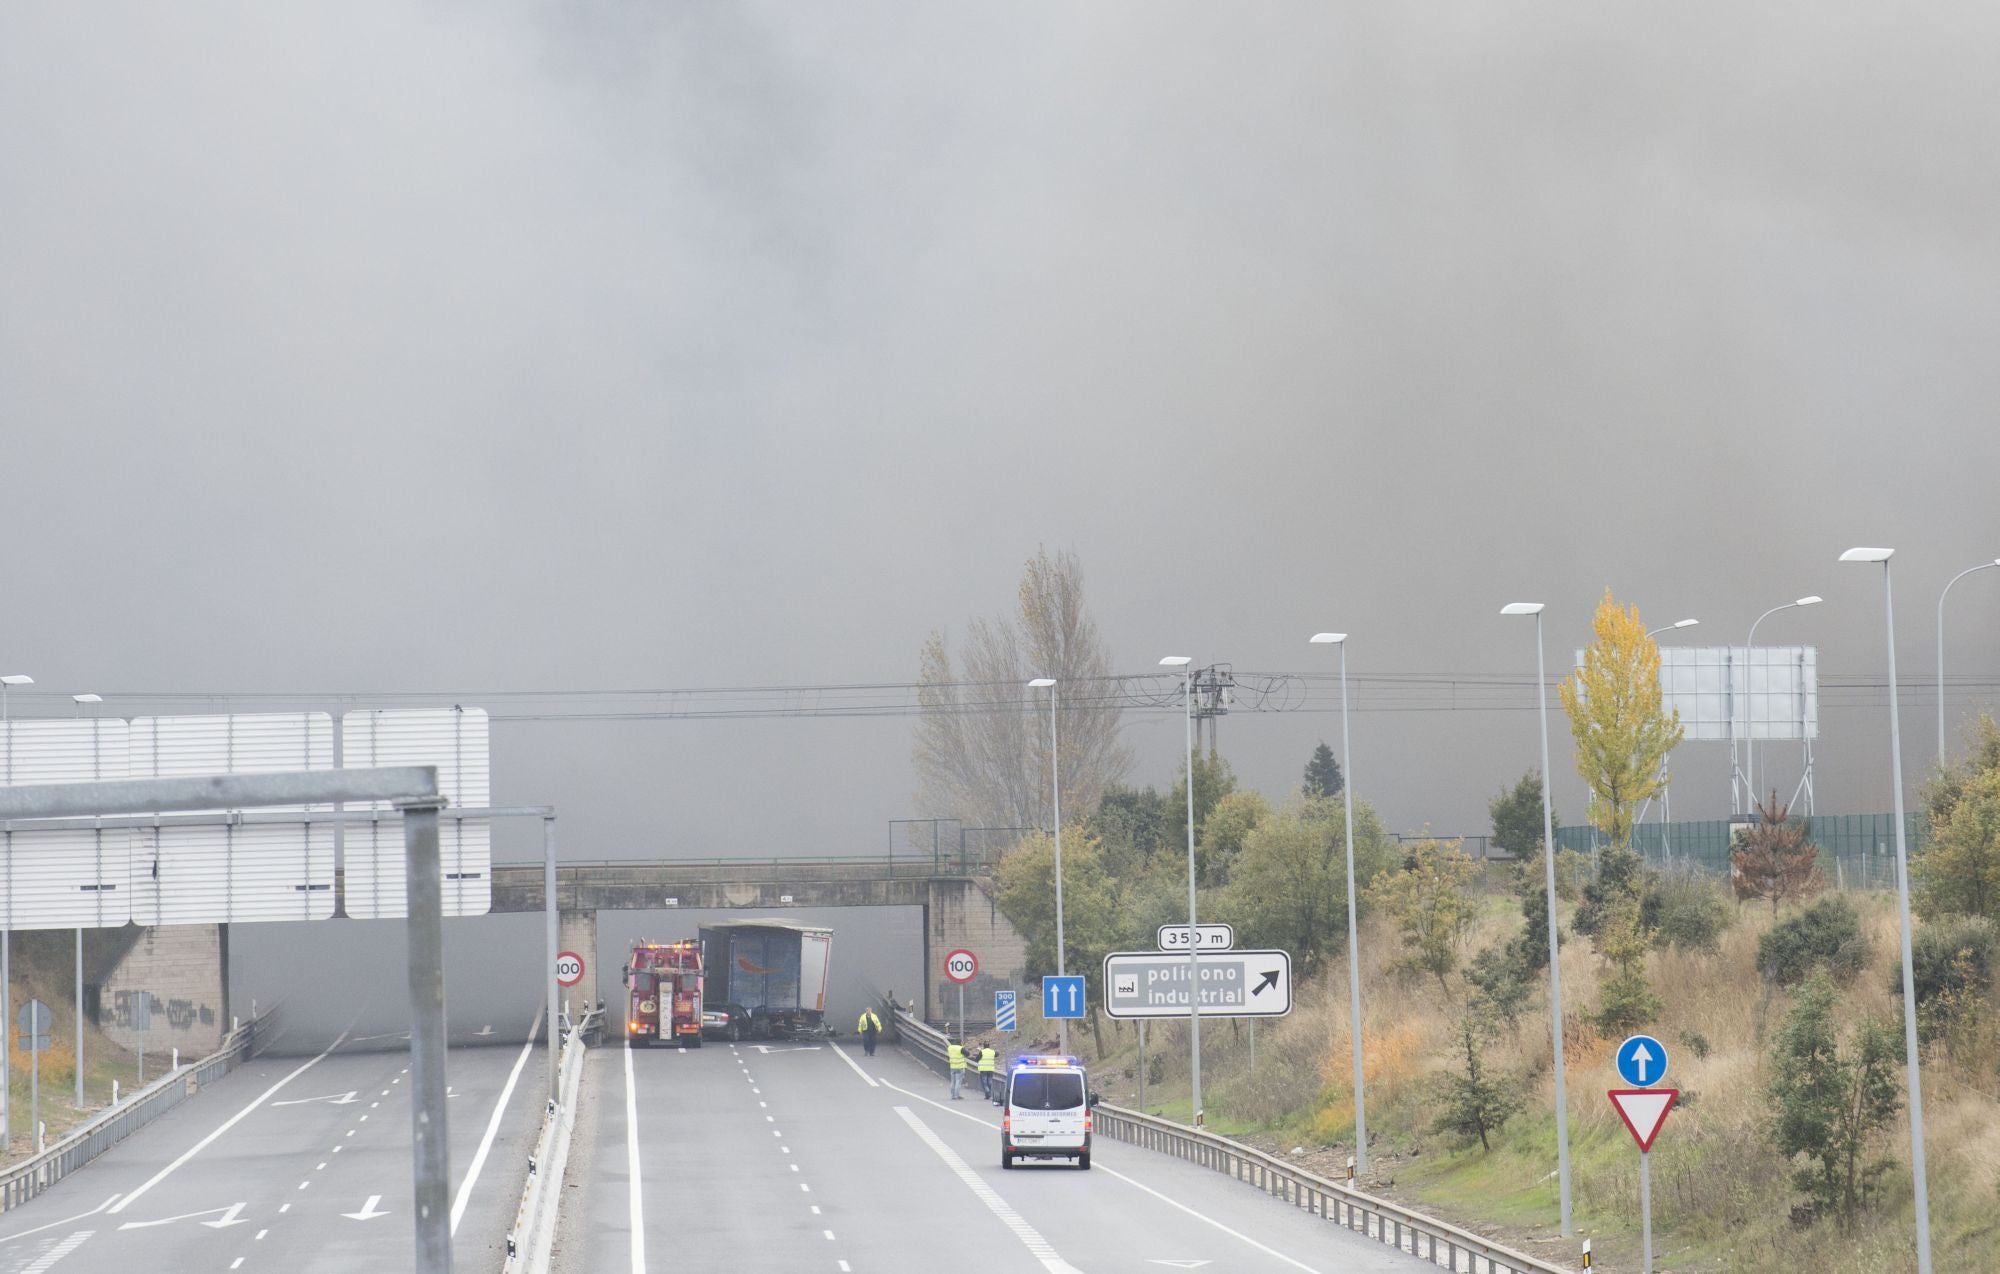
column 1063, row 997
column 1003, row 1011
column 1642, row 1061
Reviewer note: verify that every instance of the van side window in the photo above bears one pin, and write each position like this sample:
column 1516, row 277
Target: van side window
column 1038, row 1090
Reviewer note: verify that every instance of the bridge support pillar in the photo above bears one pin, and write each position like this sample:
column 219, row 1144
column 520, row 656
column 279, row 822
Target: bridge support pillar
column 577, row 931
column 963, row 912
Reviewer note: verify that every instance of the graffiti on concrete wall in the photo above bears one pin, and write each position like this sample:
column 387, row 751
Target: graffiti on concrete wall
column 180, row 1015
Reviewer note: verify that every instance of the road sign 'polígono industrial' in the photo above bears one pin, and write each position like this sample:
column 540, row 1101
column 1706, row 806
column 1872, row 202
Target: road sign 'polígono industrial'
column 1229, row 984
column 1207, row 937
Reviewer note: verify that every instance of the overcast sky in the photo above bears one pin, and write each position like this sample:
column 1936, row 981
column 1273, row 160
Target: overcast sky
column 479, row 347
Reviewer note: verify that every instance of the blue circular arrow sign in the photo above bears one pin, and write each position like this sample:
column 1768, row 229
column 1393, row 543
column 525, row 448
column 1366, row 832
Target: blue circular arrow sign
column 1642, row 1061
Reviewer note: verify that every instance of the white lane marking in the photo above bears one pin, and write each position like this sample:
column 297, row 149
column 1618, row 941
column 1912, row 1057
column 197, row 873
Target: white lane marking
column 332, row 1099
column 22, row 1234
column 1237, row 1234
column 58, row 1252
column 262, row 1233
column 492, row 1127
column 225, row 1126
column 795, row 1167
column 336, row 1150
column 829, row 1235
column 815, row 1208
column 284, row 1208
column 802, row 1185
column 843, row 1265
column 320, row 1168
column 1030, row 1237
column 638, row 1216
column 785, row 1149
column 949, row 1110
column 368, row 1210
column 305, row 1183
column 866, row 1078
column 223, row 1222
column 769, row 1119
column 236, row 1264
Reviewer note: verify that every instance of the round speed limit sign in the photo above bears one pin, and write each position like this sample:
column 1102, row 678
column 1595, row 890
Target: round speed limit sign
column 569, row 968
column 961, row 966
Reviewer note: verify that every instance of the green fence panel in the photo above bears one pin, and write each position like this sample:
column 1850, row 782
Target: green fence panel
column 1855, row 850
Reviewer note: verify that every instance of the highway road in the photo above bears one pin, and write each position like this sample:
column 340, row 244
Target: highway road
column 801, row 1157
column 293, row 1164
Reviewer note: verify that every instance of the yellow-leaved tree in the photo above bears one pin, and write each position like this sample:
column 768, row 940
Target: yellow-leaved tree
column 1614, row 706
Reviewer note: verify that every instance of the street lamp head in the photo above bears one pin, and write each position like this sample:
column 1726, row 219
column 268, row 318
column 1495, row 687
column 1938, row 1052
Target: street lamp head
column 1175, row 661
column 1328, row 639
column 1813, row 600
column 1042, row 683
column 18, row 679
column 1686, row 623
column 88, row 698
column 1867, row 555
column 1521, row 608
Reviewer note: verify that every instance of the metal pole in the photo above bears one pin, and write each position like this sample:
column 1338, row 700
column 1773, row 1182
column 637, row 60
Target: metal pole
column 1940, row 651
column 554, row 939
column 1555, row 953
column 79, row 1018
column 1353, row 934
column 431, row 1167
column 1910, row 1055
column 1194, row 947
column 1055, row 787
column 1142, row 1063
column 961, row 1013
column 1646, row 1210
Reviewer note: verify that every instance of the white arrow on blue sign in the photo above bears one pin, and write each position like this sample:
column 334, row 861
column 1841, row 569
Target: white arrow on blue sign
column 1003, row 1011
column 1063, row 997
column 1642, row 1061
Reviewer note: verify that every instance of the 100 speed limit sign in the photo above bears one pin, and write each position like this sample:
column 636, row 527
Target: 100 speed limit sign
column 961, row 966
column 569, row 968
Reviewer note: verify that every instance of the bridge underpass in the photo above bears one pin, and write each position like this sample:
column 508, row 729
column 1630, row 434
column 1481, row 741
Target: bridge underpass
column 958, row 909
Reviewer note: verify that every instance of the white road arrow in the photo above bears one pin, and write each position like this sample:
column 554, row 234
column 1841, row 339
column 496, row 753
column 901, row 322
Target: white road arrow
column 800, row 1048
column 485, row 1030
column 368, row 1211
column 227, row 1219
column 338, row 1099
column 1179, row 1265
column 1642, row 1057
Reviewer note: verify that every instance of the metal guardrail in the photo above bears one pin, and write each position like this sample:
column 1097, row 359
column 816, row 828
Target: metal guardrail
column 1423, row 1237
column 532, row 1239
column 115, row 1123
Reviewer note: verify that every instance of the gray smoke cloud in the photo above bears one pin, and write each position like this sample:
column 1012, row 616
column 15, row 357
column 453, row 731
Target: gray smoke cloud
column 486, row 347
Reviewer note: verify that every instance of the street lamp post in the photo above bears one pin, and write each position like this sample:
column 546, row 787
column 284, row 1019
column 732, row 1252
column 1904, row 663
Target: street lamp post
column 1194, row 948
column 1555, row 955
column 1910, row 1057
column 1940, row 636
column 1750, row 750
column 1055, row 796
column 81, row 702
column 1353, row 937
column 6, row 972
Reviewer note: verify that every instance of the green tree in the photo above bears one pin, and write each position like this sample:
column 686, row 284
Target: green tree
column 1614, row 706
column 1472, row 1105
column 1223, row 832
column 1517, row 816
column 1830, row 1103
column 1214, row 779
column 1430, row 904
column 1774, row 859
column 982, row 740
column 1625, row 999
column 1323, row 777
column 1958, row 872
column 1133, row 825
column 1502, row 983
column 1825, row 936
column 1621, row 877
column 1025, row 886
column 1288, row 886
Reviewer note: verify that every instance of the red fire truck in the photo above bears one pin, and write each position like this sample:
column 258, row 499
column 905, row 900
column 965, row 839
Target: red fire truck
column 665, row 981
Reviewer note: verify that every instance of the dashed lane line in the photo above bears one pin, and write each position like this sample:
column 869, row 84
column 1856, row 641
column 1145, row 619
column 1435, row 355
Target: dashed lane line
column 1030, row 1237
column 224, row 1127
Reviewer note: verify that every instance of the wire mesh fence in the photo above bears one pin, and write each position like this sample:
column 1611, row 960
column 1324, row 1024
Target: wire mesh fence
column 1855, row 850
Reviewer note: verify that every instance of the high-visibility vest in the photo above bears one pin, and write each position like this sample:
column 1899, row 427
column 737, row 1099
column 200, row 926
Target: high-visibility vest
column 955, row 1054
column 868, row 1019
column 987, row 1060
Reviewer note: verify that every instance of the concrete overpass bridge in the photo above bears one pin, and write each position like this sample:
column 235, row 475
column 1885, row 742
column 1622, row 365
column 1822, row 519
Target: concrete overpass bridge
column 959, row 907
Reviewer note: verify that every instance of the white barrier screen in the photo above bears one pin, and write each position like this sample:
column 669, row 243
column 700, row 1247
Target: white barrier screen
column 224, row 874
column 456, row 742
column 64, row 879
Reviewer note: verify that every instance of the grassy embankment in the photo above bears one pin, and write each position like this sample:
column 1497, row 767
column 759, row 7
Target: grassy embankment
column 53, row 983
column 1722, row 1198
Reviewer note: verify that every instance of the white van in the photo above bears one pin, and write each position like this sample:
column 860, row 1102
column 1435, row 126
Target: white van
column 1046, row 1114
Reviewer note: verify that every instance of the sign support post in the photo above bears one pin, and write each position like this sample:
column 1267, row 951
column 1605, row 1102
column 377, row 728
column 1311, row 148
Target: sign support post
column 961, row 1012
column 1642, row 1062
column 1646, row 1209
column 549, row 904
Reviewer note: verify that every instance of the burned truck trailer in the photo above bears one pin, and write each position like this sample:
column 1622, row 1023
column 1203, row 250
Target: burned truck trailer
column 775, row 969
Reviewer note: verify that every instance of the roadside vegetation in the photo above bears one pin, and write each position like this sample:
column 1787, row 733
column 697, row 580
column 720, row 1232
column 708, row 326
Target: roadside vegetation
column 1779, row 997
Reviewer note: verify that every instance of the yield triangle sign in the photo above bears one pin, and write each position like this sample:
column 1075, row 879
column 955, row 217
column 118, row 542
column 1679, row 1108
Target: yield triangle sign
column 1644, row 1110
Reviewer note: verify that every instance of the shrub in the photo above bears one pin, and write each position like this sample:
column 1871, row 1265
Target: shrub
column 1502, row 981
column 1951, row 968
column 1826, row 935
column 1684, row 912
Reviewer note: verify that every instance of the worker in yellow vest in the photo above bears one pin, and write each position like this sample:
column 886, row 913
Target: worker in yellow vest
column 954, row 1054
column 989, row 1058
column 868, row 1028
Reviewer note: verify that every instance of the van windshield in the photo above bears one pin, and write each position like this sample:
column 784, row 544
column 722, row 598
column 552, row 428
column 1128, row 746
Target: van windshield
column 1048, row 1090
